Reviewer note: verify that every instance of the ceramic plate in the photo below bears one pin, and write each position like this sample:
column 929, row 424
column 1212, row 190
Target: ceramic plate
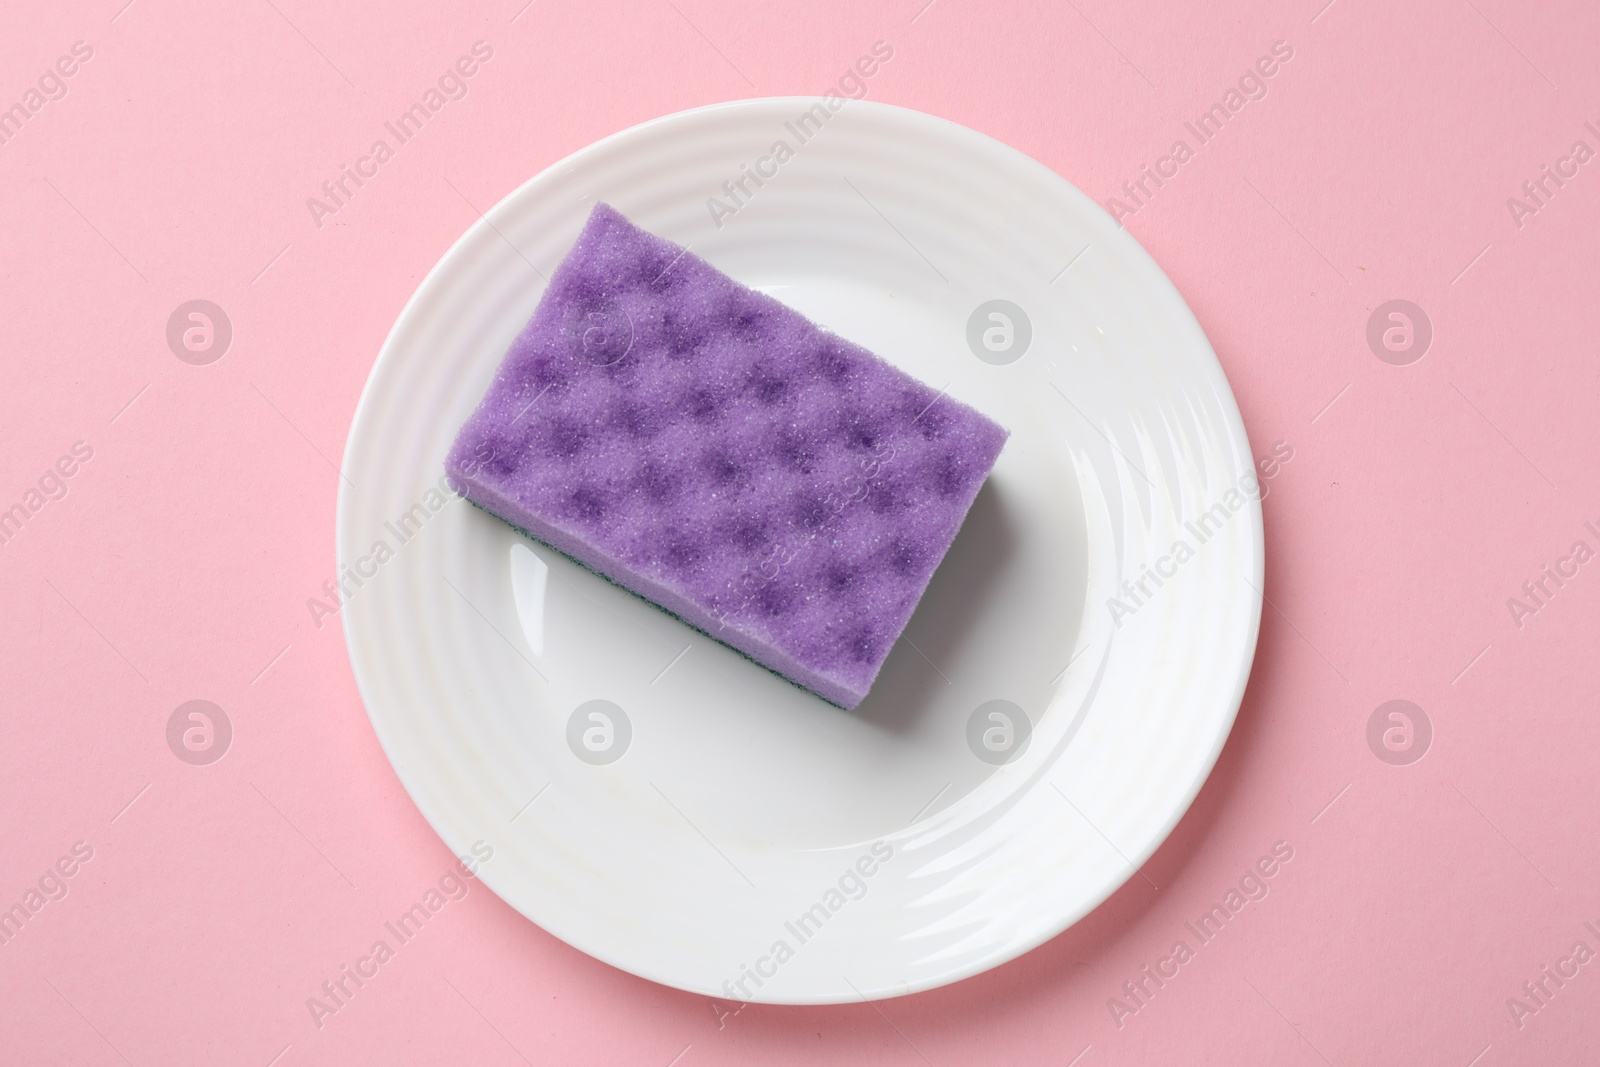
column 1061, row 693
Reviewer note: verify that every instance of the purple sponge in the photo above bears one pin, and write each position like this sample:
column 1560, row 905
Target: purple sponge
column 704, row 446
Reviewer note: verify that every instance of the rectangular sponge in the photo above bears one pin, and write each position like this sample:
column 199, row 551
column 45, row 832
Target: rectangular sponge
column 710, row 449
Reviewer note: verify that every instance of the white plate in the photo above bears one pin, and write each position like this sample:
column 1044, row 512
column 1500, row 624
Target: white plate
column 741, row 803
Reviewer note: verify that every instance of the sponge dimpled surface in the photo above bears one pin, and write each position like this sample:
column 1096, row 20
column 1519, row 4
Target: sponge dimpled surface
column 710, row 449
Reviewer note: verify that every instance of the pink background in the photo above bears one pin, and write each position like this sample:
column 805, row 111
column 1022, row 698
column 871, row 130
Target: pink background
column 178, row 564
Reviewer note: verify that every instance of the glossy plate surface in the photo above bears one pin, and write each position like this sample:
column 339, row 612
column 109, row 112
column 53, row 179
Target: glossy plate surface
column 668, row 807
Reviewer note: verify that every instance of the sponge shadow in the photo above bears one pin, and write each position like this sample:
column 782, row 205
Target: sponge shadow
column 961, row 593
